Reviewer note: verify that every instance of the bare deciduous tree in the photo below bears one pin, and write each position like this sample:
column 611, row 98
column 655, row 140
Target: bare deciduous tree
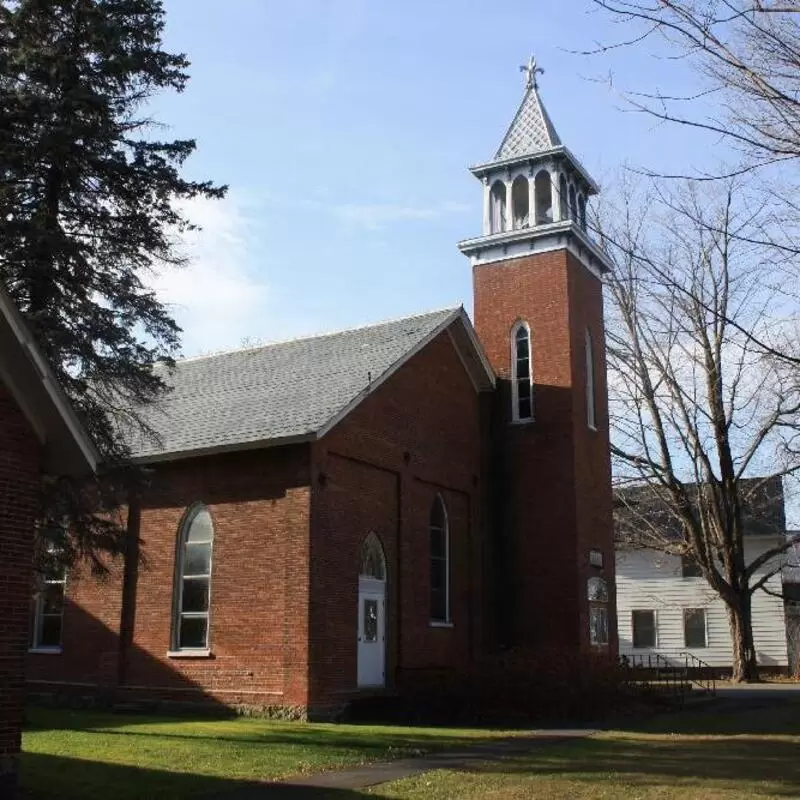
column 747, row 52
column 697, row 406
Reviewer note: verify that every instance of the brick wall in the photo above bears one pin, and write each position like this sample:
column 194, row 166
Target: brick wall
column 258, row 501
column 19, row 482
column 380, row 470
column 552, row 492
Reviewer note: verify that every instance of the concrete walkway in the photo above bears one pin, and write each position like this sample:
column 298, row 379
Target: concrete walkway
column 341, row 783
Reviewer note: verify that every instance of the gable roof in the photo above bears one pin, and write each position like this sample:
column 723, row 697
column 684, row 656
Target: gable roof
column 24, row 371
column 531, row 131
column 292, row 391
column 643, row 507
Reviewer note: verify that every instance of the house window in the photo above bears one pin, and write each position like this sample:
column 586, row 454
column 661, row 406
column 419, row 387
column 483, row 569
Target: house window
column 521, row 373
column 644, row 628
column 597, row 590
column 193, row 581
column 694, row 627
column 48, row 609
column 440, row 562
column 690, row 568
column 591, row 411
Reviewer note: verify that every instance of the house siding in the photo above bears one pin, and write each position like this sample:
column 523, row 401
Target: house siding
column 648, row 580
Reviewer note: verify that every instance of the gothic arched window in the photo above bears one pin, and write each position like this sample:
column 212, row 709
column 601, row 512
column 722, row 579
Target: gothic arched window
column 521, row 373
column 498, row 207
column 520, row 202
column 439, row 537
column 582, row 211
column 192, row 589
column 543, row 192
column 573, row 214
column 372, row 563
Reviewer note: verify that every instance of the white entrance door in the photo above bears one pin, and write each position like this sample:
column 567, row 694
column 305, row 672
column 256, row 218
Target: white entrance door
column 371, row 632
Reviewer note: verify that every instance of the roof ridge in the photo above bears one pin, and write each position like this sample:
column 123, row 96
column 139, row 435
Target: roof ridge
column 323, row 335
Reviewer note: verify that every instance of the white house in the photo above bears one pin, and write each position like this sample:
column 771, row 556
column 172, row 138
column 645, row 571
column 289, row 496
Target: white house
column 665, row 606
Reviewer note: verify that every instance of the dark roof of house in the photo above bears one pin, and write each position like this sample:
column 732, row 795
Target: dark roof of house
column 641, row 509
column 67, row 449
column 294, row 390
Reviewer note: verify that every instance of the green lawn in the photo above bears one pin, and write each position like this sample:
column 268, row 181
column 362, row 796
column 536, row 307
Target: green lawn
column 714, row 754
column 709, row 755
column 92, row 754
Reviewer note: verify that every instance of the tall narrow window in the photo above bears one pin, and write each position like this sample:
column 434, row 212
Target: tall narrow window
column 543, row 192
column 520, row 202
column 597, row 591
column 48, row 609
column 440, row 562
column 562, row 196
column 193, row 581
column 573, row 209
column 521, row 373
column 591, row 410
column 582, row 211
column 498, row 207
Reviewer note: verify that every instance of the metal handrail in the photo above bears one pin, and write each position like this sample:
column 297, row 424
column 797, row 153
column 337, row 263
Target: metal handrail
column 703, row 674
column 654, row 671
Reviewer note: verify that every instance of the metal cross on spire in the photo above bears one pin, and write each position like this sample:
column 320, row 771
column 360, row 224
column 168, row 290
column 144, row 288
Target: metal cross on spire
column 531, row 69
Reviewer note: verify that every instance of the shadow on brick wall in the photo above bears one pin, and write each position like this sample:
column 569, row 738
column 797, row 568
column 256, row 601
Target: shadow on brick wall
column 96, row 667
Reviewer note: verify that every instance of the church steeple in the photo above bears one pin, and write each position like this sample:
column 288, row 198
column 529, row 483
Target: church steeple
column 535, row 190
column 531, row 130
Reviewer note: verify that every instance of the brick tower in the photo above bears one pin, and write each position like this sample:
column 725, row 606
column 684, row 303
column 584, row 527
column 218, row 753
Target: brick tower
column 537, row 277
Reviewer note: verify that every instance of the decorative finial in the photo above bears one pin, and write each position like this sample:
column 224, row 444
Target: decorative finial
column 531, row 69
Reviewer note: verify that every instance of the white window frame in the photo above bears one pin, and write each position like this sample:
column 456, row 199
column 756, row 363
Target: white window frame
column 515, row 381
column 591, row 404
column 598, row 604
column 705, row 628
column 447, row 622
column 654, row 612
column 38, row 615
column 178, row 613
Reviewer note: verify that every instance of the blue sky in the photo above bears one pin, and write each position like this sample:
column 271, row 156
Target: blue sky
column 345, row 128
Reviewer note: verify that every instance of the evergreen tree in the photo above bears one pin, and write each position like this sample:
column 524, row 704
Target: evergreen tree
column 88, row 211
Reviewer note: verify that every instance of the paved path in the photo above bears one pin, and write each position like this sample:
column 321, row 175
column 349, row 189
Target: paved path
column 341, row 783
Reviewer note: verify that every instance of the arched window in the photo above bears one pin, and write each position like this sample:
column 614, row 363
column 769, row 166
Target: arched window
column 193, row 581
column 521, row 373
column 372, row 563
column 439, row 534
column 597, row 591
column 582, row 211
column 520, row 202
column 562, row 195
column 572, row 209
column 591, row 410
column 543, row 192
column 498, row 207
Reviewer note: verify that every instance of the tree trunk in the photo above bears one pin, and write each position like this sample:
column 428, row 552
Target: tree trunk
column 745, row 665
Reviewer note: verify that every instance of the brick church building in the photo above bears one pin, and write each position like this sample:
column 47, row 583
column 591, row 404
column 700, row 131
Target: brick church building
column 329, row 516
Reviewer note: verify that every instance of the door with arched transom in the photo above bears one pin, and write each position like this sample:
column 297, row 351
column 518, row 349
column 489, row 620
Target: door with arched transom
column 372, row 614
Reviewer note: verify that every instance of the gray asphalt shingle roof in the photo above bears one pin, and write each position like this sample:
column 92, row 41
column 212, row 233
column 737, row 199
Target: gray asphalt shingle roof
column 278, row 391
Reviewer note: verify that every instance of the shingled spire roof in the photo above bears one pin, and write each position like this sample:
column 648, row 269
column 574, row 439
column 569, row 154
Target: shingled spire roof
column 531, row 131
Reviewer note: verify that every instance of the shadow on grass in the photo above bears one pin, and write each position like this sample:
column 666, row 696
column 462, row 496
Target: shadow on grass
column 48, row 776
column 744, row 763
